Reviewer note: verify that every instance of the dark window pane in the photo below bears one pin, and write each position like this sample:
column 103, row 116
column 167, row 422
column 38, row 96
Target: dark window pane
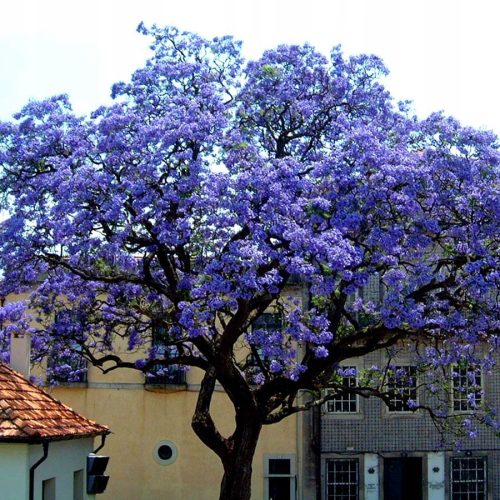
column 164, row 374
column 165, row 452
column 279, row 488
column 279, row 466
column 269, row 322
column 468, row 478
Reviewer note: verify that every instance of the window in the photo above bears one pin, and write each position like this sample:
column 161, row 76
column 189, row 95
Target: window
column 49, row 489
column 78, row 485
column 402, row 388
column 372, row 291
column 69, row 367
column 279, row 473
column 467, row 392
column 269, row 322
column 346, row 402
column 165, row 452
column 342, row 479
column 65, row 365
column 172, row 374
column 468, row 478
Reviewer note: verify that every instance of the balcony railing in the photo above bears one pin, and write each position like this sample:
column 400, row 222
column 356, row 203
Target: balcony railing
column 171, row 375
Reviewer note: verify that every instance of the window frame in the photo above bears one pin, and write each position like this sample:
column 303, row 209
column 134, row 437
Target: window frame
column 81, row 362
column 172, row 374
column 165, row 461
column 484, row 460
column 374, row 281
column 408, row 411
column 292, row 475
column 78, row 484
column 357, row 484
column 49, row 488
column 252, row 366
column 340, row 413
column 455, row 390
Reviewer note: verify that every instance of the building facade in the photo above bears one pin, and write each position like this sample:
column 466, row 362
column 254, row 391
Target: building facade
column 153, row 451
column 366, row 449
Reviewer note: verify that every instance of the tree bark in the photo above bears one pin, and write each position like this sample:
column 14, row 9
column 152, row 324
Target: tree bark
column 235, row 452
column 237, row 480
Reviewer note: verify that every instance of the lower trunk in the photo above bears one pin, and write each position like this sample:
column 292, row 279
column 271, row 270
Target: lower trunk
column 237, row 481
column 237, row 451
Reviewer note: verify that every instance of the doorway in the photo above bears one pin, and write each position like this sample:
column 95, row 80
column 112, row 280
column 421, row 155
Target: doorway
column 403, row 478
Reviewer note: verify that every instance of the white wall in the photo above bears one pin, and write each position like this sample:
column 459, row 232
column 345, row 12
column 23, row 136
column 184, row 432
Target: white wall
column 14, row 471
column 64, row 458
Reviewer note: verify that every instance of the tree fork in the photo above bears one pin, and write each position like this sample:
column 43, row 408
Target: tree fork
column 202, row 423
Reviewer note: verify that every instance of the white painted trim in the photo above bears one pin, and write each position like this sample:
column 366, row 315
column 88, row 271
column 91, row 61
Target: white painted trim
column 436, row 476
column 371, row 476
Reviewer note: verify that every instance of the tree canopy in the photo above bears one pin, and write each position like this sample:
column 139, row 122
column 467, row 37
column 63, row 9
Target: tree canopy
column 209, row 187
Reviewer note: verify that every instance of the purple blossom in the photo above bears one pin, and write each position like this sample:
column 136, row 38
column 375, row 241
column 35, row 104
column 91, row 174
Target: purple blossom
column 321, row 352
column 212, row 189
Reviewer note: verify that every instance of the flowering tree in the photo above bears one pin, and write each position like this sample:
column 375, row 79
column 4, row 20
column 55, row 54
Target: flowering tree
column 209, row 186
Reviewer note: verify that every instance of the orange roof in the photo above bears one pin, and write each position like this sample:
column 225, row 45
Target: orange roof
column 29, row 414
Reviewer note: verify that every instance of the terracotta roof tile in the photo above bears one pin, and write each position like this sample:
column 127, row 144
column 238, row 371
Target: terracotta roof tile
column 28, row 413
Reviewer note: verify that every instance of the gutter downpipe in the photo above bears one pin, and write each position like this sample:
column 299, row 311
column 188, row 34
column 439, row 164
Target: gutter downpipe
column 103, row 441
column 45, row 445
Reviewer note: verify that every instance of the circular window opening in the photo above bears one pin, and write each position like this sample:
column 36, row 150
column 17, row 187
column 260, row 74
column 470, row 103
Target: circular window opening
column 165, row 453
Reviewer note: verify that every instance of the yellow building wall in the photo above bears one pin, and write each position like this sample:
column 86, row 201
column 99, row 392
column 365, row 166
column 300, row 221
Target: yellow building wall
column 140, row 417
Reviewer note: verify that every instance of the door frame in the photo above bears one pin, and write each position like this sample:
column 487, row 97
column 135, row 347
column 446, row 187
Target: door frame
column 403, row 454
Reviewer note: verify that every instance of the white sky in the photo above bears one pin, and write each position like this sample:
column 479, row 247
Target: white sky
column 442, row 54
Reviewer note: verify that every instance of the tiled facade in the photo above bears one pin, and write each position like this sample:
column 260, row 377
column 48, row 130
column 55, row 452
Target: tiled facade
column 365, row 455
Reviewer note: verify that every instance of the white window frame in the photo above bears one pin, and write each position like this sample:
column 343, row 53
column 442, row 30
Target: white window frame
column 363, row 294
column 455, row 389
column 292, row 476
column 328, row 404
column 408, row 411
column 467, row 481
column 358, row 475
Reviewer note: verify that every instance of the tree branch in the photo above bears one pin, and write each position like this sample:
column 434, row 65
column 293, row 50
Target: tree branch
column 202, row 422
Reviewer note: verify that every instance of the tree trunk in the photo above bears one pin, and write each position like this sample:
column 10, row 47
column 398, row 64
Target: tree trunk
column 235, row 452
column 237, row 480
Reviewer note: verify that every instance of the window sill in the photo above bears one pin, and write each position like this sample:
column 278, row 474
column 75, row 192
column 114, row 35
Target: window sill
column 402, row 414
column 70, row 385
column 342, row 416
column 165, row 387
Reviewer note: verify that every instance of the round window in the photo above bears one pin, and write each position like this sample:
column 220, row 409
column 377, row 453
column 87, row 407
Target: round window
column 165, row 452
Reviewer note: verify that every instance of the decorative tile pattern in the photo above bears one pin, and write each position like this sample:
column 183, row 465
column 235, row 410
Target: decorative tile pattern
column 379, row 431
